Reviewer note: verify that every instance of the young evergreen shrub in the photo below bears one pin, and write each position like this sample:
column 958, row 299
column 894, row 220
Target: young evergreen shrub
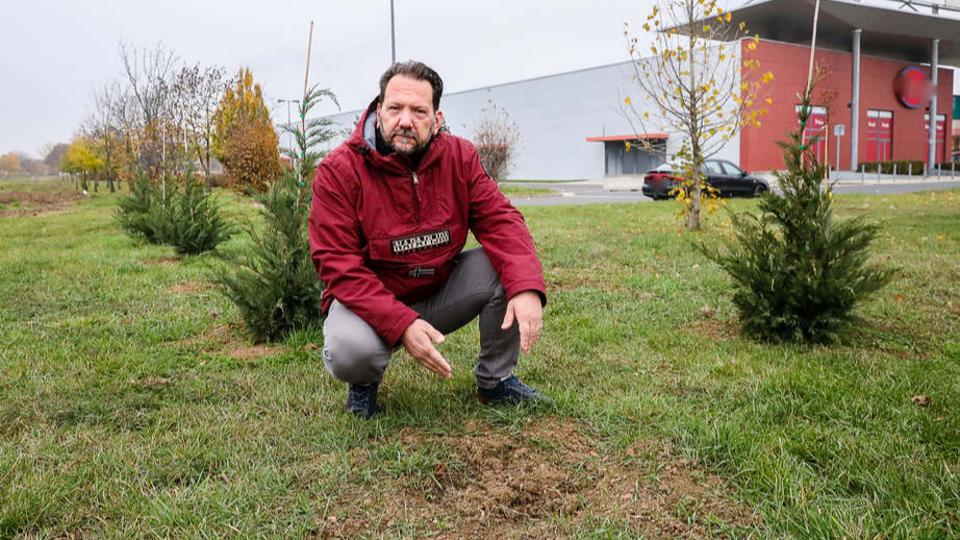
column 797, row 271
column 192, row 222
column 274, row 284
column 133, row 211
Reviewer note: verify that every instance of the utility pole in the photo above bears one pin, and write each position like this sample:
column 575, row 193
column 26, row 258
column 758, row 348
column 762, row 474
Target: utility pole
column 393, row 37
column 289, row 118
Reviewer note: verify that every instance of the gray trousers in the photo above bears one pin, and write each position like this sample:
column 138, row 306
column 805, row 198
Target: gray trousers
column 354, row 353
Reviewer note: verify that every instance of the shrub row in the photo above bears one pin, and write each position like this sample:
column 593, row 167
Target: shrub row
column 913, row 167
column 182, row 215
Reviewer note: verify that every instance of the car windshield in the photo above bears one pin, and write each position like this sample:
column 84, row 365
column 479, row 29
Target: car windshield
column 731, row 169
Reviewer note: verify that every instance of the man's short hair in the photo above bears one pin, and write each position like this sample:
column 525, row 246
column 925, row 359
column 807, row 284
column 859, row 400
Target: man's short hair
column 417, row 71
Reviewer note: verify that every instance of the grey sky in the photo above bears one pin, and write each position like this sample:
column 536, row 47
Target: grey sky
column 56, row 52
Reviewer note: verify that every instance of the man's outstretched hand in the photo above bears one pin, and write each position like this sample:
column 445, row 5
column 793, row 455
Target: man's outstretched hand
column 418, row 340
column 527, row 310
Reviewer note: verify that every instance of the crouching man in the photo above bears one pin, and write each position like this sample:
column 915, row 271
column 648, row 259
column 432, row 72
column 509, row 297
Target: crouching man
column 391, row 210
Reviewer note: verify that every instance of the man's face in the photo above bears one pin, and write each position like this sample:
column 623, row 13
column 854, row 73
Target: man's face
column 406, row 118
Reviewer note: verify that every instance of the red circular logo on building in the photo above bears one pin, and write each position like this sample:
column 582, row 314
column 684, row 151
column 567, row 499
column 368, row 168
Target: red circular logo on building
column 912, row 87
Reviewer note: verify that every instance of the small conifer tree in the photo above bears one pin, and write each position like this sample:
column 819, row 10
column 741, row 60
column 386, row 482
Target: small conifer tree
column 798, row 272
column 133, row 210
column 195, row 223
column 274, row 283
column 186, row 218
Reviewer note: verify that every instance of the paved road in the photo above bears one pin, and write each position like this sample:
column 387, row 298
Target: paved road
column 593, row 193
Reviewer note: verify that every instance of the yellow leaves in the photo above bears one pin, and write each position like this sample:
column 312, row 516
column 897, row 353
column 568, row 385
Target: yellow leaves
column 742, row 26
column 757, row 123
column 768, row 101
column 646, row 115
column 627, row 101
column 723, row 57
column 706, row 28
column 728, row 17
column 766, row 77
column 751, row 46
column 646, row 26
column 627, row 145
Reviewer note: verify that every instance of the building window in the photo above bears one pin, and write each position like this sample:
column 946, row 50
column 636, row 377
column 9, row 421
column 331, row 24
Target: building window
column 618, row 160
column 879, row 135
column 815, row 132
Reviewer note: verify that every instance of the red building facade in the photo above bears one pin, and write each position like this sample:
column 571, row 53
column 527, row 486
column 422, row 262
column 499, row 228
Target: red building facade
column 888, row 129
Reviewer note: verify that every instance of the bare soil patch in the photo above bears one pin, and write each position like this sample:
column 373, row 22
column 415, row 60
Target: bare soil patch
column 254, row 352
column 161, row 261
column 229, row 340
column 712, row 328
column 594, row 276
column 32, row 203
column 544, row 481
column 188, row 287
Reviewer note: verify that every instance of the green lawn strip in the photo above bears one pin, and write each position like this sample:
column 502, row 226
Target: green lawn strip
column 125, row 412
column 526, row 192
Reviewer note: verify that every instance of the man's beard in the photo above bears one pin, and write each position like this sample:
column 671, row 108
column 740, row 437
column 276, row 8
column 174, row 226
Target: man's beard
column 417, row 147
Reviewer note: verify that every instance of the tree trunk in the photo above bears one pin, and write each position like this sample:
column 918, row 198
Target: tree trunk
column 693, row 213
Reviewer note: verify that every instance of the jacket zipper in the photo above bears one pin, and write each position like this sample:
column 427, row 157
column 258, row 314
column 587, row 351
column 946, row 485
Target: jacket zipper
column 416, row 193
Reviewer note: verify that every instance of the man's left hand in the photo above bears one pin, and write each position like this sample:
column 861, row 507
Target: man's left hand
column 527, row 310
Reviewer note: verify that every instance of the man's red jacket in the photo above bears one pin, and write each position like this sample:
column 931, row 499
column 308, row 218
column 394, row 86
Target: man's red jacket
column 383, row 236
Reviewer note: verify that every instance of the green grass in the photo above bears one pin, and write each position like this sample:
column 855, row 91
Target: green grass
column 526, row 192
column 123, row 415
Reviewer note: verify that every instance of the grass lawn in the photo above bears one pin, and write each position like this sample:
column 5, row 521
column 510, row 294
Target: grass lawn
column 526, row 192
column 132, row 406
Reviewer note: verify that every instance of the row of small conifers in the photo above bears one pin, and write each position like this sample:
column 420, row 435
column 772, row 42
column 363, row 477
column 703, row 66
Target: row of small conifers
column 270, row 277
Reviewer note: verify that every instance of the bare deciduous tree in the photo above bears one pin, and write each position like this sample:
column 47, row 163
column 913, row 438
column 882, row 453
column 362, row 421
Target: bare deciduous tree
column 199, row 90
column 496, row 138
column 148, row 73
column 698, row 83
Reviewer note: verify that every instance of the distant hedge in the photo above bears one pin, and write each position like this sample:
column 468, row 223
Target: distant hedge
column 913, row 167
column 904, row 167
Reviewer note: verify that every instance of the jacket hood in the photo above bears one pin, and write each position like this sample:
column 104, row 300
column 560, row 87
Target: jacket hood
column 363, row 141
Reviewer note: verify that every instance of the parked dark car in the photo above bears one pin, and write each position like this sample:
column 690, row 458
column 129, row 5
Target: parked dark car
column 721, row 174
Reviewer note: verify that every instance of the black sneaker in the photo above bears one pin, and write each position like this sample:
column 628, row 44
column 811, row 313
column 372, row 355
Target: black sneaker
column 510, row 391
column 362, row 400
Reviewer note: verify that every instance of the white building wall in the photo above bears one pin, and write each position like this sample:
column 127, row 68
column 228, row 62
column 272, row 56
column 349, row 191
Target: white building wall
column 555, row 115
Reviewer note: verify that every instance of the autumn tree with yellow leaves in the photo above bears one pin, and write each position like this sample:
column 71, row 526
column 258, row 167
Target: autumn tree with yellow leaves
column 699, row 87
column 244, row 138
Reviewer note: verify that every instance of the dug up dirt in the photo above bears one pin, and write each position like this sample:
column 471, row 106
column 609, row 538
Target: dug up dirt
column 546, row 480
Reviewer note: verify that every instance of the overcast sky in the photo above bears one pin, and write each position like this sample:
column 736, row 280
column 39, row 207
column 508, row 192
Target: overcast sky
column 54, row 53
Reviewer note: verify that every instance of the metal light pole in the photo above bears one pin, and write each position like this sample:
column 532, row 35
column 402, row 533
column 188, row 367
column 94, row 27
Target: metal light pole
column 393, row 37
column 289, row 120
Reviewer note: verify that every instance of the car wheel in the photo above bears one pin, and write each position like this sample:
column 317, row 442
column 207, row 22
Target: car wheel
column 759, row 190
